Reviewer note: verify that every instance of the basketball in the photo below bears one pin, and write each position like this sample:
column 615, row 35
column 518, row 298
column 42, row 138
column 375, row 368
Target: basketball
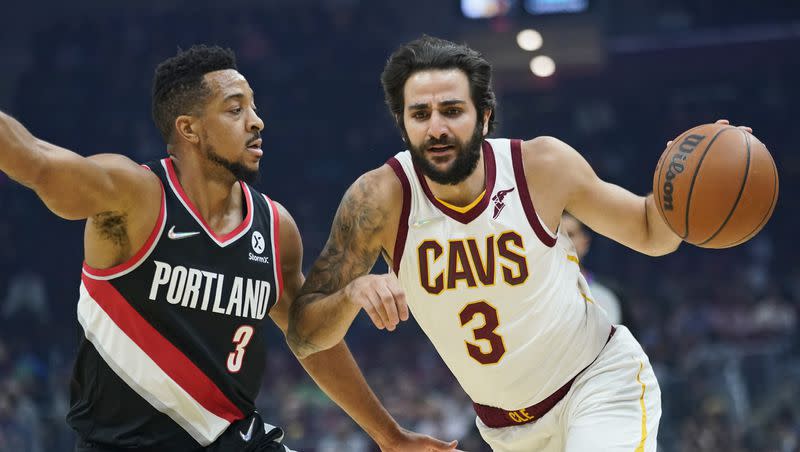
column 716, row 186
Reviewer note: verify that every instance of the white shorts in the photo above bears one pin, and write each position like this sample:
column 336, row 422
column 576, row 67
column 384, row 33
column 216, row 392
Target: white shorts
column 613, row 405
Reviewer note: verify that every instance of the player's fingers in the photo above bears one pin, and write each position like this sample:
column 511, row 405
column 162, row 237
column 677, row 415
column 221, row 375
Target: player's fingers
column 373, row 312
column 399, row 297
column 377, row 299
column 437, row 445
column 669, row 143
column 746, row 129
column 722, row 121
column 388, row 305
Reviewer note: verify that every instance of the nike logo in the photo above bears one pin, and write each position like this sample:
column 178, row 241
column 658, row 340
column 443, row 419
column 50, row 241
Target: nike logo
column 246, row 438
column 180, row 235
column 423, row 222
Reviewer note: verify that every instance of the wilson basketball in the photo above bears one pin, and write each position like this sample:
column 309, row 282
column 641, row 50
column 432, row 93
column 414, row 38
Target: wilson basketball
column 716, row 186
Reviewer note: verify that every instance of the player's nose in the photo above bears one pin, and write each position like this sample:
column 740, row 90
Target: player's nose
column 255, row 122
column 437, row 126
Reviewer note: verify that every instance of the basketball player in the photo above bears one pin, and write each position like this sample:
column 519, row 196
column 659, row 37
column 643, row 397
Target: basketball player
column 183, row 261
column 601, row 295
column 468, row 226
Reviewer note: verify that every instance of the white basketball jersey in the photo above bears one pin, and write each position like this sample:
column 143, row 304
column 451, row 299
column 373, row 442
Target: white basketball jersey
column 500, row 296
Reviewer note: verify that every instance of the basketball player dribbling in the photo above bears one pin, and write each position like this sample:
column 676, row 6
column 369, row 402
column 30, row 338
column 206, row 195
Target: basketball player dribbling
column 469, row 227
column 183, row 261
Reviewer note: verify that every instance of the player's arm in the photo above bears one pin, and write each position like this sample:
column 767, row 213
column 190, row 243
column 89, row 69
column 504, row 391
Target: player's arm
column 334, row 370
column 72, row 186
column 606, row 208
column 338, row 284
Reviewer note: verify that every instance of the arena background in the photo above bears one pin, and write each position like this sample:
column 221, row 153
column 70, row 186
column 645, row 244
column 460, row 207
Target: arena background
column 720, row 326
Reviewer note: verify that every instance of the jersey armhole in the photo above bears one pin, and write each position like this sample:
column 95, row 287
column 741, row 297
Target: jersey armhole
column 148, row 247
column 402, row 227
column 540, row 229
column 276, row 248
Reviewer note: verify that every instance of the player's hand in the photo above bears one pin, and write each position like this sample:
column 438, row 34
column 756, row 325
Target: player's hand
column 381, row 297
column 414, row 442
column 726, row 122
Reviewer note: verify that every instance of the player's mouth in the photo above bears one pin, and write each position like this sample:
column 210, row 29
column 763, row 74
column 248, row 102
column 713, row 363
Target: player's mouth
column 255, row 147
column 440, row 149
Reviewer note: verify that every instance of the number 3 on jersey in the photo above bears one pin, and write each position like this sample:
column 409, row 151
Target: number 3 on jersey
column 241, row 338
column 486, row 332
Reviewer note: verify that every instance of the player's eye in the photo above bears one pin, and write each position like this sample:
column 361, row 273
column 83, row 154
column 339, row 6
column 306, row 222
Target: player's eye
column 419, row 115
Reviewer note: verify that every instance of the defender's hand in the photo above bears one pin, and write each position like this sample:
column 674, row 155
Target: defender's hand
column 414, row 442
column 381, row 297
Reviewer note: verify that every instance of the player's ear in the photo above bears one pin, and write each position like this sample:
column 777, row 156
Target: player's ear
column 486, row 115
column 185, row 127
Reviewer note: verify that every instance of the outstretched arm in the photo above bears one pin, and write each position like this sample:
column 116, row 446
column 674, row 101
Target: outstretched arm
column 334, row 370
column 72, row 186
column 338, row 284
column 606, row 208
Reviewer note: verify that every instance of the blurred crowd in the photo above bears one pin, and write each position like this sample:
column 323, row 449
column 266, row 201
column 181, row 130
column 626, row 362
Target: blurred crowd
column 720, row 327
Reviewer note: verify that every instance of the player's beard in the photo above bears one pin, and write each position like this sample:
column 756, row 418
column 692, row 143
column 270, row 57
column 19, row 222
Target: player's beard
column 236, row 169
column 467, row 156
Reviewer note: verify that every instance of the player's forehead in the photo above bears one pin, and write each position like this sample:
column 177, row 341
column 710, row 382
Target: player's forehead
column 227, row 84
column 436, row 86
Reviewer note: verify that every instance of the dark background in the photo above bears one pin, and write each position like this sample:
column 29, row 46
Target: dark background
column 720, row 326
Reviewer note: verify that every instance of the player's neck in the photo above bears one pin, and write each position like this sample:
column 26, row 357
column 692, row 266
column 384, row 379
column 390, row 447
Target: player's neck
column 217, row 199
column 466, row 191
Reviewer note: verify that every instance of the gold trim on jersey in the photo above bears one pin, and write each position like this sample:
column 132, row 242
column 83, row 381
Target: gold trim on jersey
column 466, row 208
column 640, row 448
column 572, row 258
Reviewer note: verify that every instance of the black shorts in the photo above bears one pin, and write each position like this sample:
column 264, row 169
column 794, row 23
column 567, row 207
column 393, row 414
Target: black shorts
column 247, row 435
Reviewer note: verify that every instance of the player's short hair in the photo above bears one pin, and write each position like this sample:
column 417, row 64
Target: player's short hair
column 427, row 53
column 178, row 85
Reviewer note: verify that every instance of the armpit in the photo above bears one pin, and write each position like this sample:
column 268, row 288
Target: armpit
column 112, row 226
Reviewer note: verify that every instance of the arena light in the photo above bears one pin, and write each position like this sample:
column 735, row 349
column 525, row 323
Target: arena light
column 529, row 40
column 543, row 66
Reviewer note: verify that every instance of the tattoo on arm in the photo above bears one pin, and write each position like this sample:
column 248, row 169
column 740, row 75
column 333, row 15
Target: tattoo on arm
column 351, row 250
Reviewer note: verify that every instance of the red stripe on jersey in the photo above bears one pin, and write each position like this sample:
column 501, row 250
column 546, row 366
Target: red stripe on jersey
column 276, row 231
column 171, row 360
column 525, row 195
column 471, row 214
column 143, row 251
column 402, row 228
column 220, row 238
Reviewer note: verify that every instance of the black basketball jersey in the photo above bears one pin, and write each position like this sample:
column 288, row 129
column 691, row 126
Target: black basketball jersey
column 173, row 350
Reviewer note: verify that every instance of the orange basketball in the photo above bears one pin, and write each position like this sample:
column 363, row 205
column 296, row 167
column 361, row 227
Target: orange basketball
column 716, row 186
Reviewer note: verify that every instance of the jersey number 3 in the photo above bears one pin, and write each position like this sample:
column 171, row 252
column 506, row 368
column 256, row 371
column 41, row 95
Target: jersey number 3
column 490, row 323
column 241, row 338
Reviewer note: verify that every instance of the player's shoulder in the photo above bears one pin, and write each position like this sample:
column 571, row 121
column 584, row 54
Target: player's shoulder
column 545, row 150
column 117, row 162
column 122, row 167
column 547, row 156
column 285, row 219
column 380, row 186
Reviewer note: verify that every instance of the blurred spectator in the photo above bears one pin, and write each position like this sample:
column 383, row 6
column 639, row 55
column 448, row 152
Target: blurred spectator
column 601, row 294
column 720, row 326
